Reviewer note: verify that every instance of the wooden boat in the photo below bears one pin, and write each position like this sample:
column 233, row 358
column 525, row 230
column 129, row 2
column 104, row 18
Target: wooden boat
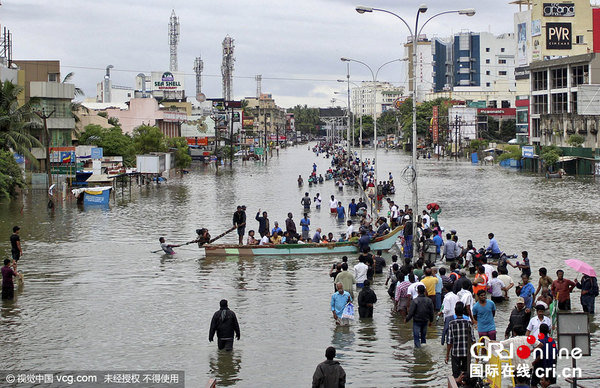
column 383, row 243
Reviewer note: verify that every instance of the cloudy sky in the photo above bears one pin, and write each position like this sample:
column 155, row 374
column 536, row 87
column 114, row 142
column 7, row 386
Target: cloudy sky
column 295, row 45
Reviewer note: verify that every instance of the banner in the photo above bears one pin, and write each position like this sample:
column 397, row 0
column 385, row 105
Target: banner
column 434, row 124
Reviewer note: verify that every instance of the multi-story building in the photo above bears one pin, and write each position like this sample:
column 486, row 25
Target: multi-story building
column 385, row 96
column 556, row 101
column 477, row 67
column 553, row 44
column 267, row 116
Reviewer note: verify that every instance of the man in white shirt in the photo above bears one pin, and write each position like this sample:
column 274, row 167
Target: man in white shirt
column 466, row 297
column 412, row 289
column 506, row 280
column 360, row 273
column 393, row 214
column 264, row 240
column 333, row 205
column 497, row 287
column 488, row 270
column 534, row 323
column 426, row 219
column 350, row 229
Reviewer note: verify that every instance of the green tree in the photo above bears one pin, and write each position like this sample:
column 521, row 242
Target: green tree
column 113, row 141
column 11, row 176
column 512, row 152
column 305, row 118
column 575, row 140
column 550, row 155
column 182, row 155
column 16, row 122
column 147, row 139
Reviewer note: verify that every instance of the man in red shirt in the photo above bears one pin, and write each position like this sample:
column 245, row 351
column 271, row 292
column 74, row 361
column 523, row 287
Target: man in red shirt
column 561, row 289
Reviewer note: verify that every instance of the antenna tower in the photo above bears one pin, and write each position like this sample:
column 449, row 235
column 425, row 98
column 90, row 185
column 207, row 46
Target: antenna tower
column 227, row 68
column 258, row 79
column 173, row 40
column 198, row 68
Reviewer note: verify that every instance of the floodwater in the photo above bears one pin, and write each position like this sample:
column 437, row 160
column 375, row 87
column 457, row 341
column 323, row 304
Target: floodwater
column 96, row 298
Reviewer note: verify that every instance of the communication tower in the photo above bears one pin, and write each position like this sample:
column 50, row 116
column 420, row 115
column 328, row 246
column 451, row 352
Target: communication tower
column 258, row 79
column 227, row 68
column 173, row 40
column 198, row 68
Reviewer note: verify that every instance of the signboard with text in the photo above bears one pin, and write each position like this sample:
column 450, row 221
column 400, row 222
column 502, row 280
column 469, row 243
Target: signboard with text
column 527, row 152
column 97, row 153
column 167, row 81
column 558, row 36
column 559, row 9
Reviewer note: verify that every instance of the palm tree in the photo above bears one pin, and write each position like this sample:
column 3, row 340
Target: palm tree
column 16, row 122
column 78, row 91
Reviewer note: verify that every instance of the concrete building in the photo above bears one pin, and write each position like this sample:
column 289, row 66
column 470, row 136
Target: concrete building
column 477, row 67
column 266, row 114
column 38, row 71
column 385, row 96
column 558, row 109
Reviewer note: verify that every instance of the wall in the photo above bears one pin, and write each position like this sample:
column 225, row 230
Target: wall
column 38, row 71
column 141, row 111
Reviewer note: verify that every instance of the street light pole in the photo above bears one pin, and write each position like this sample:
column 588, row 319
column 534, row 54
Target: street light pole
column 415, row 34
column 348, row 119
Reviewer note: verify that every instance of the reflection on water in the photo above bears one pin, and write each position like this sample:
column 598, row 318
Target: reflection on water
column 91, row 280
column 225, row 366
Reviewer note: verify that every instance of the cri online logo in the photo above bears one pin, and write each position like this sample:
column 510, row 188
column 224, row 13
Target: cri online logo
column 523, row 352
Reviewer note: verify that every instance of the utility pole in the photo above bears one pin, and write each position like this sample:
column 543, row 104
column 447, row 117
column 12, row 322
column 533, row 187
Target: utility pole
column 456, row 138
column 42, row 115
column 231, row 139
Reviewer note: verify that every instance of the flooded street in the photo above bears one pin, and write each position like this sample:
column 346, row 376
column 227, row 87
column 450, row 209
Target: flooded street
column 95, row 298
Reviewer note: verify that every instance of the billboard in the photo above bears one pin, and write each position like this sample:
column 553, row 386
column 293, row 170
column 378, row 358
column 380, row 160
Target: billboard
column 434, row 124
column 559, row 9
column 558, row 36
column 536, row 27
column 522, row 44
column 167, row 81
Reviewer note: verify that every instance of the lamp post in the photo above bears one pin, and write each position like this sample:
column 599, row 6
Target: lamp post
column 374, row 102
column 347, row 124
column 415, row 35
column 360, row 126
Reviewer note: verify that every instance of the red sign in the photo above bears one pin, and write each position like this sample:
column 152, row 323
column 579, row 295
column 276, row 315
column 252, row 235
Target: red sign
column 434, row 124
column 201, row 141
column 274, row 137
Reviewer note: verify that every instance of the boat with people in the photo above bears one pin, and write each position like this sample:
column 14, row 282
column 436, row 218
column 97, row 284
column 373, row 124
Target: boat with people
column 383, row 243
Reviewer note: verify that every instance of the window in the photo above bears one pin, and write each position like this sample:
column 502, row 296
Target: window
column 501, row 73
column 487, row 49
column 505, row 104
column 53, row 77
column 492, row 104
column 559, row 103
column 502, row 49
column 579, row 75
column 574, row 102
column 559, row 78
column 540, row 80
column 487, row 72
column 540, row 104
column 535, row 130
column 487, row 61
column 579, row 39
column 502, row 61
column 487, row 84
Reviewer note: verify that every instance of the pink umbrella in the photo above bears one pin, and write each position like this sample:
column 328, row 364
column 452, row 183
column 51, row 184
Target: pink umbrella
column 581, row 266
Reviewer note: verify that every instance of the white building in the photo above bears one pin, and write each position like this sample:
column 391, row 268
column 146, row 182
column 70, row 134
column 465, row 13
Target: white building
column 424, row 66
column 477, row 67
column 385, row 96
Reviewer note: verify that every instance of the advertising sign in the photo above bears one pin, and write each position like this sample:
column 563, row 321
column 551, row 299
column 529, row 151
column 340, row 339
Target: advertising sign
column 558, row 36
column 199, row 141
column 522, row 44
column 559, row 9
column 236, row 117
column 170, row 116
column 527, row 152
column 20, row 159
column 67, row 157
column 97, row 152
column 536, row 27
column 434, row 124
column 167, row 81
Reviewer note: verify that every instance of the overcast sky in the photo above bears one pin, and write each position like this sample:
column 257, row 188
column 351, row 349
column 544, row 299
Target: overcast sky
column 295, row 44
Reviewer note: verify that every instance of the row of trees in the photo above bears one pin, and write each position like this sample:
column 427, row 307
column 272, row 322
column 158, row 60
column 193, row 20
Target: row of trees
column 145, row 139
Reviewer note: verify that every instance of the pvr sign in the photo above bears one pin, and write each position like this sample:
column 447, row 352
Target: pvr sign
column 558, row 36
